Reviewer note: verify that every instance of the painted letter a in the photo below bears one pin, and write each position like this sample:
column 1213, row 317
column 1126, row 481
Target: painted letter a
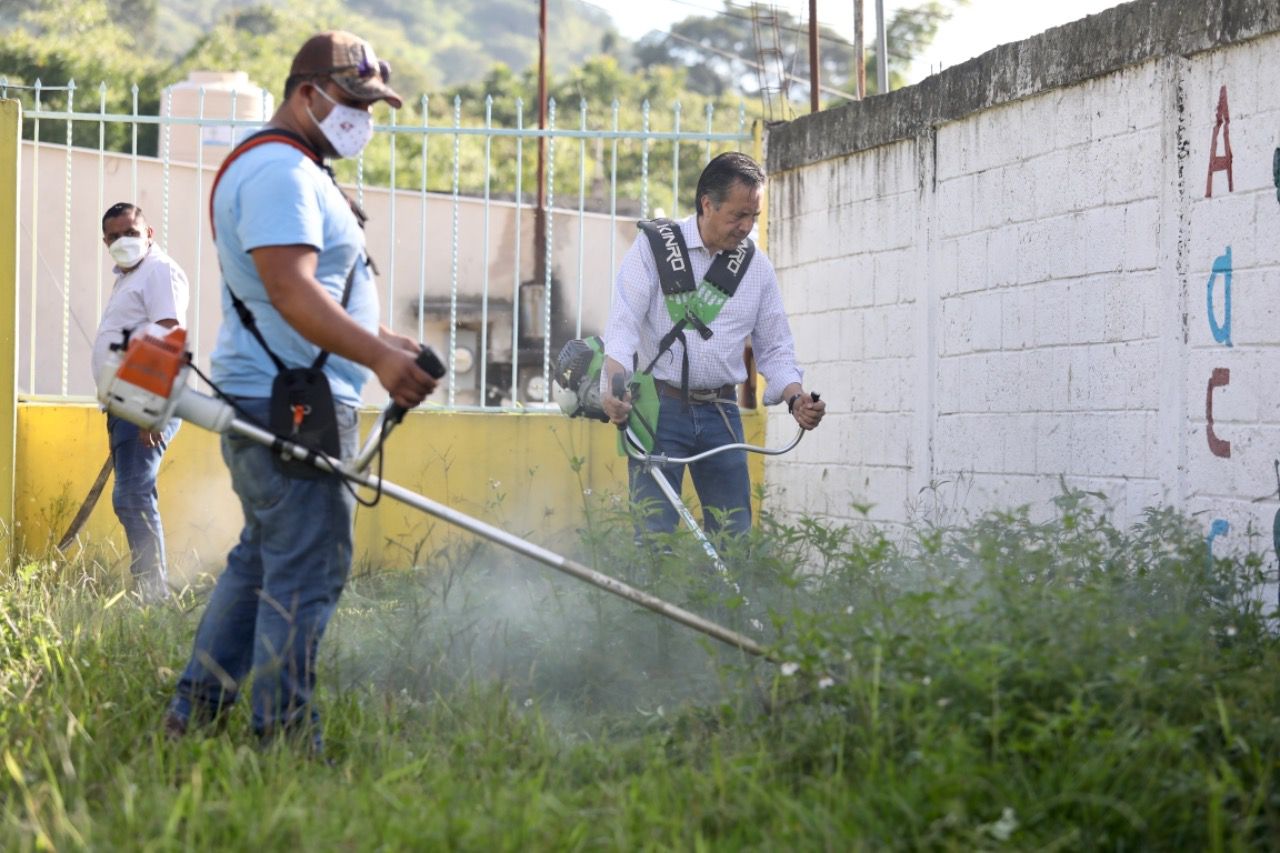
column 1221, row 266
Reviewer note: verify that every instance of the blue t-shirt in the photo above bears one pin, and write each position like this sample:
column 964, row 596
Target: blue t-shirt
column 274, row 195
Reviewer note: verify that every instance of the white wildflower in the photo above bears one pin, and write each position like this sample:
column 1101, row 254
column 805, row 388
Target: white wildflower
column 528, row 703
column 824, row 683
column 789, row 669
column 1002, row 829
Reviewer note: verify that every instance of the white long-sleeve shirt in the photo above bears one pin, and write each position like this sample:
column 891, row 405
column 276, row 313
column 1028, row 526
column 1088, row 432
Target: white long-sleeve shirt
column 156, row 289
column 639, row 319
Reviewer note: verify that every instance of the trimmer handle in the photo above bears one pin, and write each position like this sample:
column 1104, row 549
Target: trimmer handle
column 619, row 389
column 432, row 366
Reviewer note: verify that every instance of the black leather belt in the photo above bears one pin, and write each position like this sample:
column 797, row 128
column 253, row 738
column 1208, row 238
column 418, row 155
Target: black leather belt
column 698, row 395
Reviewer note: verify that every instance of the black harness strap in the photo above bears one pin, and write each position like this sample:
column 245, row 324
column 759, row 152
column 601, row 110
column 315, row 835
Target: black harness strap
column 680, row 289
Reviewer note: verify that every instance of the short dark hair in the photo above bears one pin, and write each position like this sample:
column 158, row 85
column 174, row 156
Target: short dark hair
column 293, row 81
column 120, row 208
column 722, row 173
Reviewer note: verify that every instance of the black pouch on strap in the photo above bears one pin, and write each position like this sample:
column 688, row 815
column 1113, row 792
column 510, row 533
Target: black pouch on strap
column 302, row 412
column 302, row 409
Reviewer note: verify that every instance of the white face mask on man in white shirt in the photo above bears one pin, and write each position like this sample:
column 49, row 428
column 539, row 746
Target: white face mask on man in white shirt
column 126, row 235
column 128, row 251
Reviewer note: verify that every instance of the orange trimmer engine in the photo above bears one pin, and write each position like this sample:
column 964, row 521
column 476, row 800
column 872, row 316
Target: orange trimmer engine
column 144, row 374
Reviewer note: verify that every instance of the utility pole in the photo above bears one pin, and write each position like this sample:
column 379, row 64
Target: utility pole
column 539, row 216
column 859, row 53
column 815, row 76
column 882, row 52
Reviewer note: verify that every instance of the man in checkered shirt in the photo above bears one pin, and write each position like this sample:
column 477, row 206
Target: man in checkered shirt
column 728, row 202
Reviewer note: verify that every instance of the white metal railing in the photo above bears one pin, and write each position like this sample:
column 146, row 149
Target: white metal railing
column 495, row 362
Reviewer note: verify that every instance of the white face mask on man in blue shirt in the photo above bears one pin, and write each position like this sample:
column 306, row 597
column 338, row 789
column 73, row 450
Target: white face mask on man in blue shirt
column 348, row 129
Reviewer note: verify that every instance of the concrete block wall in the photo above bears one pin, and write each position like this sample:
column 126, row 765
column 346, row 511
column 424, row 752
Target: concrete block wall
column 1003, row 279
column 853, row 322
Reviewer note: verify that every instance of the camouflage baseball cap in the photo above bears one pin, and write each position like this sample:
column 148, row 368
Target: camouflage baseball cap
column 349, row 61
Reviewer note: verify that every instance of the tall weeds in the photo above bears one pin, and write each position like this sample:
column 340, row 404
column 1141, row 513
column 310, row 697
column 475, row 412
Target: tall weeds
column 1003, row 682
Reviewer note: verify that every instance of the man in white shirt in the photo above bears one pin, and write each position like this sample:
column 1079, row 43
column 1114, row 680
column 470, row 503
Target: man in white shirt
column 149, row 288
column 704, row 415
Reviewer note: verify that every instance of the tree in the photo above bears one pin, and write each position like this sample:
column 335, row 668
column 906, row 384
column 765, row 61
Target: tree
column 720, row 52
column 909, row 33
column 59, row 41
column 261, row 41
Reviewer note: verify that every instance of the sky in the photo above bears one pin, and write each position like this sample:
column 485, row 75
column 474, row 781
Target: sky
column 973, row 30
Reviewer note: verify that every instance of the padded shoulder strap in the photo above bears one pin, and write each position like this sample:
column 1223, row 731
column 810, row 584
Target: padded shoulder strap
column 727, row 271
column 671, row 255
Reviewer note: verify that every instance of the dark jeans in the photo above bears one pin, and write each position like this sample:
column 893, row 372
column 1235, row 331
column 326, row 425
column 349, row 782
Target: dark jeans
column 134, row 498
column 281, row 585
column 721, row 481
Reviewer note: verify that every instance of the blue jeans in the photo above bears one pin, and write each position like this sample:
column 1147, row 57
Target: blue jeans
column 134, row 498
column 721, row 481
column 281, row 585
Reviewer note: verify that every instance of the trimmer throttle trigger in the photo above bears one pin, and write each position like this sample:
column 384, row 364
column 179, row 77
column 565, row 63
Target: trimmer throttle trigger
column 430, row 362
column 619, row 389
column 432, row 366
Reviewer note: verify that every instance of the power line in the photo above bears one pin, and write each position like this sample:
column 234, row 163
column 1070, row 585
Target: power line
column 696, row 44
column 829, row 90
column 834, row 37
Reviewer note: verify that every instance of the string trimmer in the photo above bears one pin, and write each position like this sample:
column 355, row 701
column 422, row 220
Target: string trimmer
column 144, row 381
column 577, row 392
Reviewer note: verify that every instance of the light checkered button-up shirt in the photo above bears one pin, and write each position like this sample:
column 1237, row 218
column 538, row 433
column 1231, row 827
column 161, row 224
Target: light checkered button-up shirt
column 639, row 319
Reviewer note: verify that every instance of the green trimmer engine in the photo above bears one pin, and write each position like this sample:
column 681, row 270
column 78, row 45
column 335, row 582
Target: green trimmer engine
column 576, row 384
column 576, row 389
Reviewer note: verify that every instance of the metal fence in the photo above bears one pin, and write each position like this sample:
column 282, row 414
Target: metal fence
column 462, row 264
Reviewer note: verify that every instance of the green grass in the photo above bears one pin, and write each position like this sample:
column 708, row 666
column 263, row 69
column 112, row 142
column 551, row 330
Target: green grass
column 1008, row 683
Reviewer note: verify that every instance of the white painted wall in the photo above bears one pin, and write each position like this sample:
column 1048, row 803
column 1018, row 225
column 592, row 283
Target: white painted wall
column 1021, row 296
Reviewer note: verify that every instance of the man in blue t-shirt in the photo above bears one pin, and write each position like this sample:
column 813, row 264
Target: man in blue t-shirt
column 292, row 251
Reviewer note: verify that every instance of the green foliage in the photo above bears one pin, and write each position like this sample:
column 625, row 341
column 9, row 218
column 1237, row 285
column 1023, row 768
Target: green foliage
column 587, row 168
column 909, row 33
column 85, row 41
column 1010, row 683
column 721, row 53
column 434, row 41
column 261, row 40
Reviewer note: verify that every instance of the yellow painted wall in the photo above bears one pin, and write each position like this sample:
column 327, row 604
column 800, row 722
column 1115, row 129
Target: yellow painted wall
column 512, row 470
